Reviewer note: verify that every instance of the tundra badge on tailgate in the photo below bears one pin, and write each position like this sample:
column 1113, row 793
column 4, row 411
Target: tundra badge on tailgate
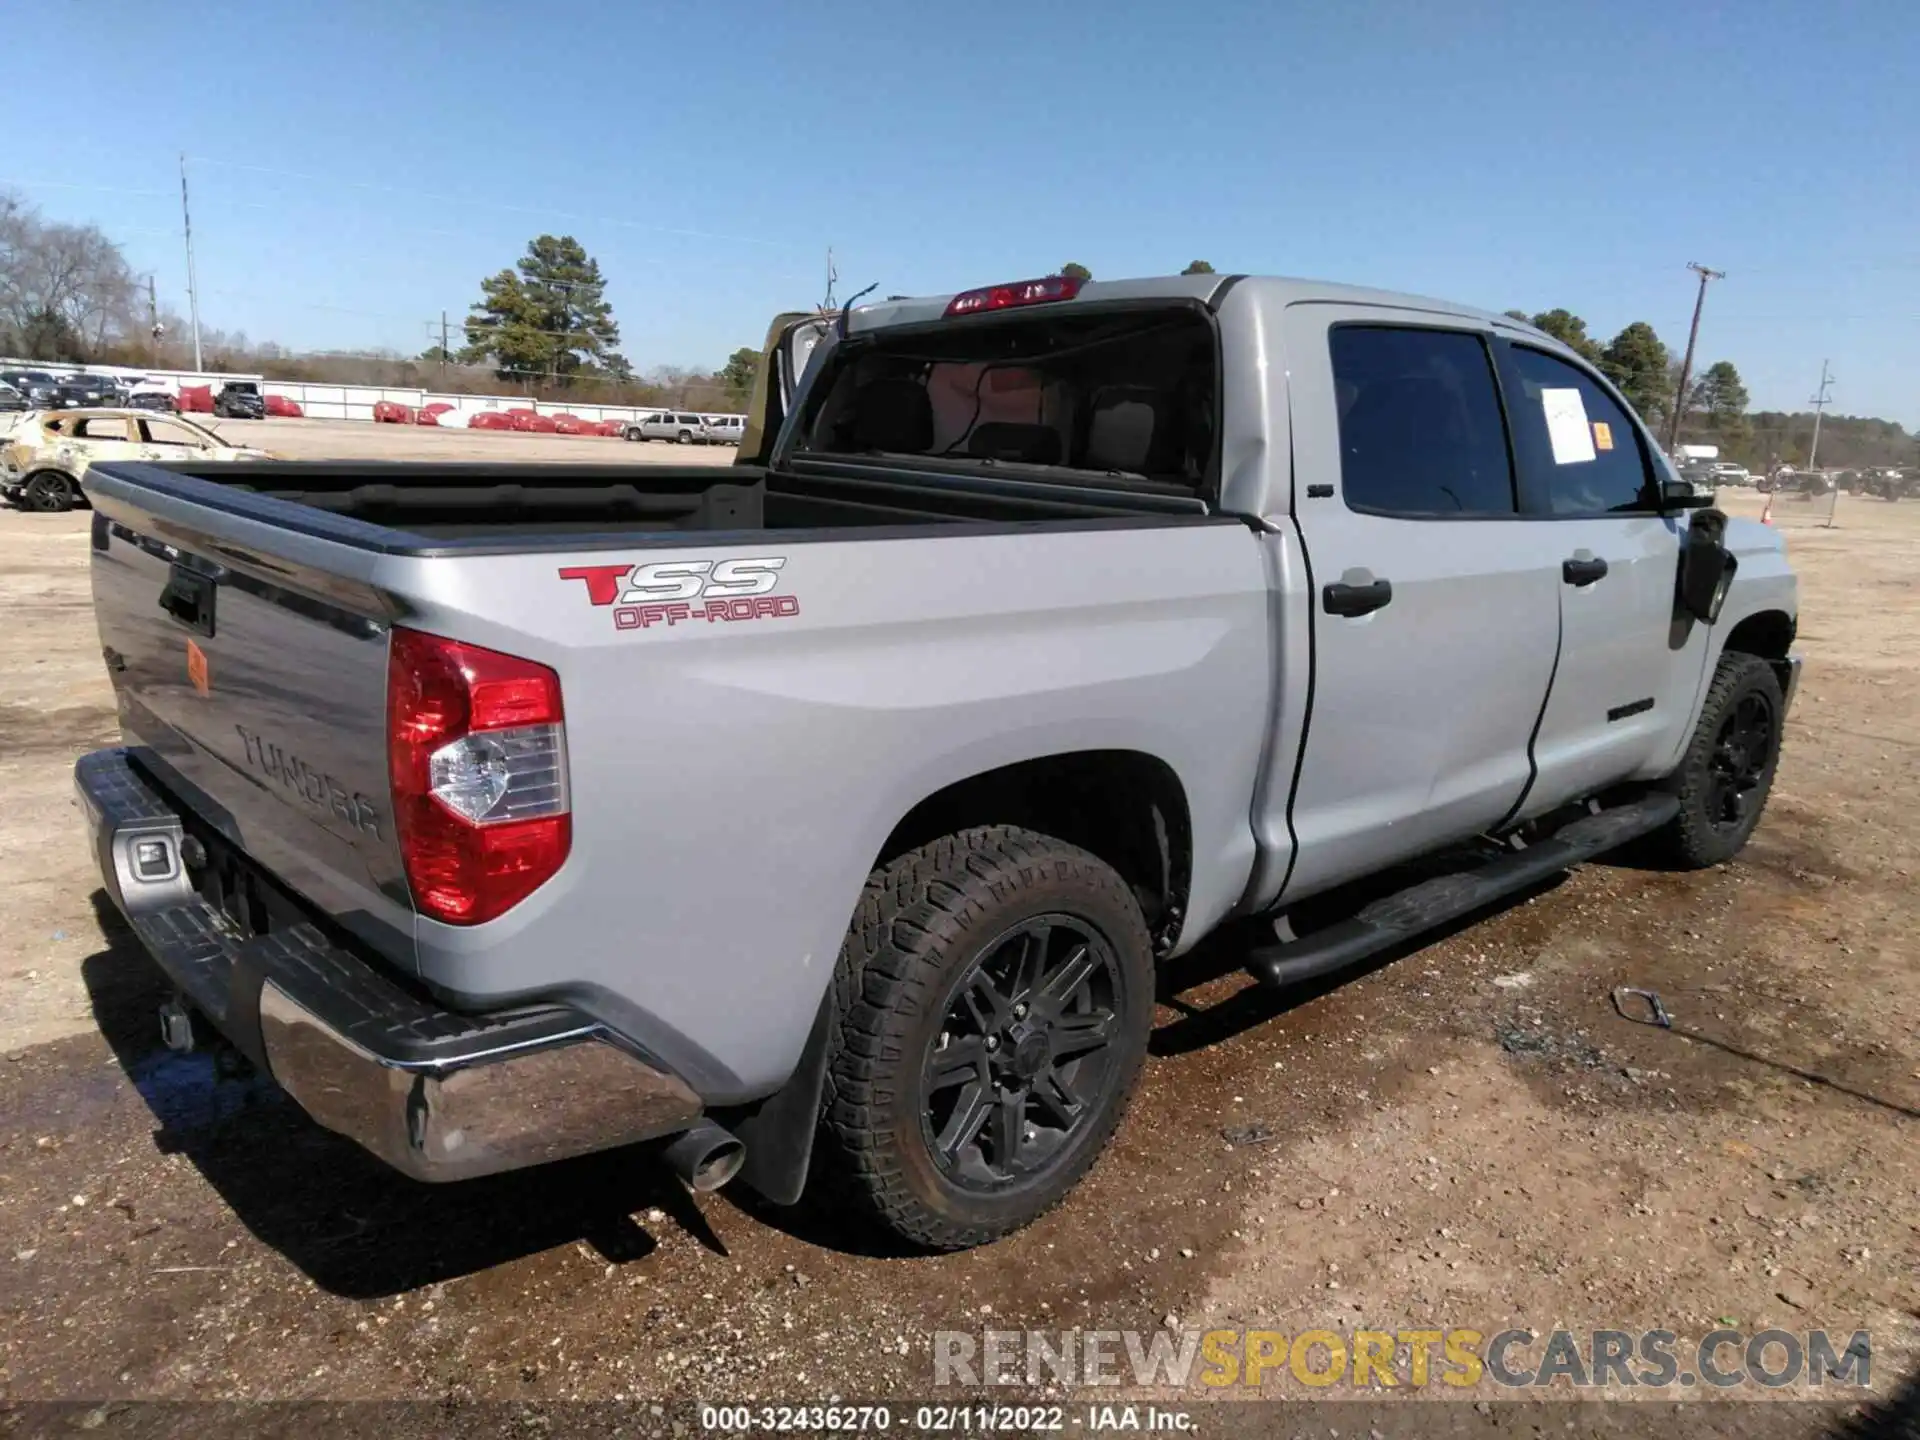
column 668, row 592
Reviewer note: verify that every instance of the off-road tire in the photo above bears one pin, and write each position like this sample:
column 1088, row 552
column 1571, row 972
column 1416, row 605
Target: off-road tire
column 49, row 492
column 921, row 924
column 1693, row 840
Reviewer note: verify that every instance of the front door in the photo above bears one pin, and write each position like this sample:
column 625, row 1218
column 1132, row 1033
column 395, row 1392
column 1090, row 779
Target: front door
column 1629, row 664
column 1434, row 632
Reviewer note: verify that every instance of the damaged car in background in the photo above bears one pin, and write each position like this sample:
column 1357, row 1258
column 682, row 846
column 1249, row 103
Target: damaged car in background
column 45, row 457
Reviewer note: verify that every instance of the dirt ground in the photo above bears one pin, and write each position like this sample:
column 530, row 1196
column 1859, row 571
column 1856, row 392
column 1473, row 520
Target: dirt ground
column 1465, row 1135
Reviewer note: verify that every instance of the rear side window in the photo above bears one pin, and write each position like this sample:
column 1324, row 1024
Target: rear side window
column 1421, row 431
column 1581, row 451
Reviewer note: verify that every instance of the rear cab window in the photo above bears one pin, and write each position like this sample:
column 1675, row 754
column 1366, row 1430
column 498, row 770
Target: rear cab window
column 1130, row 396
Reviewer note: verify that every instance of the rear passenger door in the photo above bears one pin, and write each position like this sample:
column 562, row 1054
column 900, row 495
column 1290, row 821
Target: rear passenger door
column 1434, row 625
column 1628, row 668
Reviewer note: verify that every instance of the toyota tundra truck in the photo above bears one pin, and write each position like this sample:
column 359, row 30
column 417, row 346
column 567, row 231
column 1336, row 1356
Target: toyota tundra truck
column 826, row 818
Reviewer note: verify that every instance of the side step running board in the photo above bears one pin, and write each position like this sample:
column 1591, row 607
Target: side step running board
column 1434, row 902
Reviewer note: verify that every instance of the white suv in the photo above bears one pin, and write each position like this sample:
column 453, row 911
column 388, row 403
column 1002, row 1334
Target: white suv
column 726, row 429
column 676, row 425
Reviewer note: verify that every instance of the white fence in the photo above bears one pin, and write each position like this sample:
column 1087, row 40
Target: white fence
column 348, row 402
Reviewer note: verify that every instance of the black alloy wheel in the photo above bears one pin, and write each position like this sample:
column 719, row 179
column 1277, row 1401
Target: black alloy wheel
column 1742, row 761
column 1024, row 1053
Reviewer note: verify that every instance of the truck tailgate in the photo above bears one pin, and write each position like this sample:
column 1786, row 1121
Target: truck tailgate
column 252, row 683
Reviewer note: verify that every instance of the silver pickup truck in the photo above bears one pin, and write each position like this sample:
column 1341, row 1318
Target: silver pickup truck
column 826, row 817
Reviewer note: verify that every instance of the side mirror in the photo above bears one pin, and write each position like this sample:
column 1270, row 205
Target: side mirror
column 1706, row 567
column 1680, row 495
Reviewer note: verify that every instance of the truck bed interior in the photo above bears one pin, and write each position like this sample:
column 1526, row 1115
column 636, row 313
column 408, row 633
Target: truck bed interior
column 489, row 502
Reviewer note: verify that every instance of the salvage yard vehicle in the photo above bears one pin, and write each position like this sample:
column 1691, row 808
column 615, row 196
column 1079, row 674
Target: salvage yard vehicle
column 681, row 426
column 827, row 816
column 46, row 456
column 240, row 400
column 1889, row 483
column 163, row 402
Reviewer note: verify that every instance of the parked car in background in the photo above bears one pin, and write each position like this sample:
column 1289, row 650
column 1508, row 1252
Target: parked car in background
column 95, row 389
column 11, row 400
column 240, row 400
column 36, row 385
column 1727, row 473
column 1890, row 484
column 163, row 402
column 725, row 429
column 676, row 425
column 44, row 462
column 1800, row 482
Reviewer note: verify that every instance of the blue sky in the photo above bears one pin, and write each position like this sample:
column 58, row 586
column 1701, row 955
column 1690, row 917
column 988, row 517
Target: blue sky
column 356, row 168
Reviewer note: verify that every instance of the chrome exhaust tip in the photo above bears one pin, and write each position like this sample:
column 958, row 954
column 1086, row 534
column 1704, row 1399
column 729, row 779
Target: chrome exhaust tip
column 706, row 1157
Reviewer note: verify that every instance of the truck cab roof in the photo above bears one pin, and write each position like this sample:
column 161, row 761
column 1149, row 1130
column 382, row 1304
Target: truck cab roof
column 1206, row 289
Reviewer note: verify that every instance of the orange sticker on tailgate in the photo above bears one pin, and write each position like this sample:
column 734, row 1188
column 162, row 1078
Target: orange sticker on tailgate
column 197, row 668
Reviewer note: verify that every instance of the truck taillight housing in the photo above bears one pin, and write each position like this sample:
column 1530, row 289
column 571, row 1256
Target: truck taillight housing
column 477, row 756
column 1043, row 291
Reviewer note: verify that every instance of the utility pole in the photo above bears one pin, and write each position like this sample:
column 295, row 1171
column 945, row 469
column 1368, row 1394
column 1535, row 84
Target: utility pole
column 1819, row 403
column 153, row 321
column 443, row 349
column 193, row 295
column 1686, row 365
column 833, row 277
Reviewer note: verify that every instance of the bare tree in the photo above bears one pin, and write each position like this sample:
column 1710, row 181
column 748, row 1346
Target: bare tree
column 58, row 277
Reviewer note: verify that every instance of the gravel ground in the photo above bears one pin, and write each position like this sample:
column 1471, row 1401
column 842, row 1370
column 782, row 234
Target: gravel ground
column 1463, row 1135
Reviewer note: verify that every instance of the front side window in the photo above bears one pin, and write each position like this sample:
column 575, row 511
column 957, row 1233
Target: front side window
column 1421, row 432
column 1580, row 448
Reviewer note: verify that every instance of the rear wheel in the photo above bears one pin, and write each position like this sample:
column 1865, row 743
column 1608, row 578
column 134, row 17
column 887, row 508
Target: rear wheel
column 686, row 437
column 49, row 492
column 992, row 1005
column 1727, row 772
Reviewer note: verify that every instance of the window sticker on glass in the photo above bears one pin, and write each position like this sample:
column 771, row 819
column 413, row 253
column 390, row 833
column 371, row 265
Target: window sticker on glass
column 1567, row 428
column 1602, row 435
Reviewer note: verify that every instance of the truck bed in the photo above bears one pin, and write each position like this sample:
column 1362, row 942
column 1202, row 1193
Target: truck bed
column 245, row 613
column 484, row 505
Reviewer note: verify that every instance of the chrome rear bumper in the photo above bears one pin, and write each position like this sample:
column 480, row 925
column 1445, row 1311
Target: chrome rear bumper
column 436, row 1094
column 1792, row 687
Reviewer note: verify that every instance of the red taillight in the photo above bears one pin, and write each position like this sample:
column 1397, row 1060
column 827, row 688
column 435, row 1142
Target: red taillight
column 477, row 756
column 1020, row 292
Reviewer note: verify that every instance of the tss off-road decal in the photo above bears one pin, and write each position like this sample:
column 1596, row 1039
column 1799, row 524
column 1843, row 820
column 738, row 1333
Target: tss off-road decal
column 668, row 592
